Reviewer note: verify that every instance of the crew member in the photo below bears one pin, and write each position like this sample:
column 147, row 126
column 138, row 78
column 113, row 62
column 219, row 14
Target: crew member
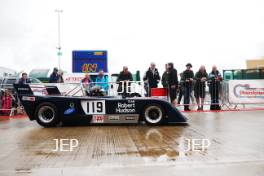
column 54, row 77
column 199, row 86
column 172, row 82
column 187, row 78
column 214, row 83
column 24, row 79
column 152, row 78
column 102, row 81
column 124, row 77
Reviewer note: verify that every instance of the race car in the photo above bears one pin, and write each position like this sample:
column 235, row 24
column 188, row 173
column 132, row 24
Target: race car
column 51, row 108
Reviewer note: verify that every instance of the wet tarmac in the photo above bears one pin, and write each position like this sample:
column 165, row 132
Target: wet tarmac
column 227, row 143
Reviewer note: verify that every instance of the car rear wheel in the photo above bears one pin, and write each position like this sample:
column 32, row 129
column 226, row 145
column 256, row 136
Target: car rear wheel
column 46, row 115
column 153, row 114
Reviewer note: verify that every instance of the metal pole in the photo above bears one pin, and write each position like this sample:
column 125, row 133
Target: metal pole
column 59, row 39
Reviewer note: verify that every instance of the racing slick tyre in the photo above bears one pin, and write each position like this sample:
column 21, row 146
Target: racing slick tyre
column 46, row 115
column 153, row 114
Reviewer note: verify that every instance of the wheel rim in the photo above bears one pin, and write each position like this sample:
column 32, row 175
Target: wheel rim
column 153, row 114
column 46, row 114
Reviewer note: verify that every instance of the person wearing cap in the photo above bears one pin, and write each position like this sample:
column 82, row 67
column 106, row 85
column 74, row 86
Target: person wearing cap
column 152, row 77
column 172, row 83
column 187, row 78
column 54, row 77
column 199, row 87
column 24, row 79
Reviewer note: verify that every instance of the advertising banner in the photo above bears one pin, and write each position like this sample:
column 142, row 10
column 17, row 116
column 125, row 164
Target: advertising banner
column 91, row 61
column 246, row 91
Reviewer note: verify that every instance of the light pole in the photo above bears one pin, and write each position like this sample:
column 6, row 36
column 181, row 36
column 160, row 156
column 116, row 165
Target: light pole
column 59, row 11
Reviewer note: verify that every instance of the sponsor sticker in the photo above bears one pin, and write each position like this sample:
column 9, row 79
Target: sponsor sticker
column 113, row 118
column 128, row 107
column 69, row 111
column 130, row 118
column 25, row 98
column 98, row 118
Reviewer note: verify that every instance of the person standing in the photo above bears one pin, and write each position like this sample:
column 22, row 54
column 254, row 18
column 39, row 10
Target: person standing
column 152, row 78
column 54, row 77
column 199, row 86
column 172, row 82
column 124, row 77
column 24, row 79
column 165, row 77
column 60, row 74
column 214, row 83
column 181, row 89
column 6, row 102
column 187, row 78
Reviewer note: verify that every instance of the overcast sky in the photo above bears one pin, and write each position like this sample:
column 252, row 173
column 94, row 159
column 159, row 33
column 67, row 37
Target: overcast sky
column 134, row 32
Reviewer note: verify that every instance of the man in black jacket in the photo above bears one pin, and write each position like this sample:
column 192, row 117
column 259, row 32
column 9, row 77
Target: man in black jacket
column 124, row 77
column 187, row 78
column 54, row 77
column 165, row 77
column 173, row 82
column 24, row 79
column 152, row 78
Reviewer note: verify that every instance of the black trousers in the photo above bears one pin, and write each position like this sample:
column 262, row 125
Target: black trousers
column 214, row 92
column 173, row 94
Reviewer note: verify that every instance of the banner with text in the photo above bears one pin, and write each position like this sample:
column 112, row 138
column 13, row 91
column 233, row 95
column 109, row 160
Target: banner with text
column 246, row 91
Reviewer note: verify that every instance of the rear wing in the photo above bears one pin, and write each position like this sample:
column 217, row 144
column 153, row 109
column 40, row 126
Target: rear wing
column 23, row 89
column 26, row 89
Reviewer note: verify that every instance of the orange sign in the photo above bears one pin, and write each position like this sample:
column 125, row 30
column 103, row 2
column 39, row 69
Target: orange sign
column 89, row 68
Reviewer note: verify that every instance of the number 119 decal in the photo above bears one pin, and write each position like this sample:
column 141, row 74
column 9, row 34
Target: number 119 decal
column 94, row 107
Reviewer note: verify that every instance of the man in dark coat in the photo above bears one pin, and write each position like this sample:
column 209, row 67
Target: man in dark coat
column 187, row 78
column 24, row 79
column 165, row 77
column 172, row 82
column 152, row 78
column 54, row 77
column 124, row 77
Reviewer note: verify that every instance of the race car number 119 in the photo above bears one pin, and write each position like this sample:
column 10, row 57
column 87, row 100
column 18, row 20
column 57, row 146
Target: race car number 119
column 93, row 107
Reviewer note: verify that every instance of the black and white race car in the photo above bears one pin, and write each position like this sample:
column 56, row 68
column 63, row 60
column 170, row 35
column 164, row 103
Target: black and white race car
column 53, row 107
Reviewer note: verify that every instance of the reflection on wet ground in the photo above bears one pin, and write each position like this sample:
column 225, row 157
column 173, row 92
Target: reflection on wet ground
column 236, row 143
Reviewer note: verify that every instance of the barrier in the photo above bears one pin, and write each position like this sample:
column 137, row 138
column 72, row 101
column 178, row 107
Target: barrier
column 233, row 94
column 246, row 91
column 159, row 93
